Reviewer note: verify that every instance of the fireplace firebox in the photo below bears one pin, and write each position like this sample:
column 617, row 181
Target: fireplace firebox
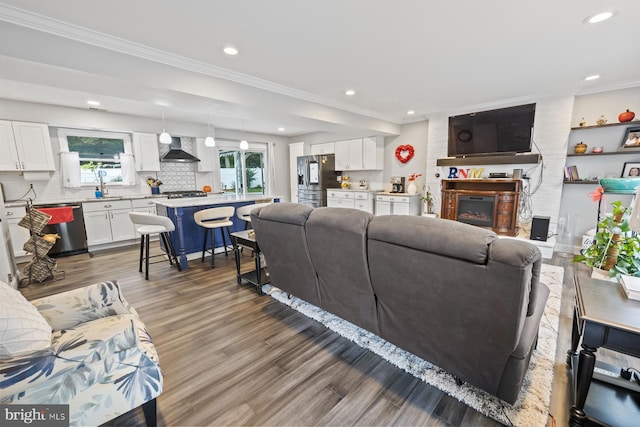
column 476, row 210
column 489, row 203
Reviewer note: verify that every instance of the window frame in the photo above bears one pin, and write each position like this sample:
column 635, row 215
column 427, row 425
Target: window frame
column 126, row 138
column 232, row 145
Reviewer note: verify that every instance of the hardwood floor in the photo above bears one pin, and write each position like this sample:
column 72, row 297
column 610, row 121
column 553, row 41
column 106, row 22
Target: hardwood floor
column 231, row 357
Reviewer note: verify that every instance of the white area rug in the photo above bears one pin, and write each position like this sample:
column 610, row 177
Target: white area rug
column 532, row 406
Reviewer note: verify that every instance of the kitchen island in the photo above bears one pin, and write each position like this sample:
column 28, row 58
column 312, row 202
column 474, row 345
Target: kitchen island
column 188, row 236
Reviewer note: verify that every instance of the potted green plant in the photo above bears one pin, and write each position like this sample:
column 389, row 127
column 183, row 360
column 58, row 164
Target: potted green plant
column 427, row 199
column 615, row 247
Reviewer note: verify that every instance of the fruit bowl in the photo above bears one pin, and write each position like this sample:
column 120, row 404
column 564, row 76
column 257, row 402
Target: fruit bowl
column 620, row 185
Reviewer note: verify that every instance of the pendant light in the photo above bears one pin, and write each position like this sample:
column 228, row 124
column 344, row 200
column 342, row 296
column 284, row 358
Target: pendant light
column 165, row 138
column 244, row 145
column 209, row 141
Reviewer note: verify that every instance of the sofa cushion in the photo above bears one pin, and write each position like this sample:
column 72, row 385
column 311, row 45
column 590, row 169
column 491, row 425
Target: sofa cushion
column 443, row 237
column 22, row 327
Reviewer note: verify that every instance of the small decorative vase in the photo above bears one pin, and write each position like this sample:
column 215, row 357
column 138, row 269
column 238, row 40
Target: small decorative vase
column 580, row 148
column 626, row 116
column 412, row 188
column 582, row 123
column 602, row 120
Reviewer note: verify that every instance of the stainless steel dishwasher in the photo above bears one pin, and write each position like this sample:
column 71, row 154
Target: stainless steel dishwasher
column 73, row 237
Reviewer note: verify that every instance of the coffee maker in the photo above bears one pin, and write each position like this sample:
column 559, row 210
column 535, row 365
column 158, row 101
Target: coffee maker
column 397, row 184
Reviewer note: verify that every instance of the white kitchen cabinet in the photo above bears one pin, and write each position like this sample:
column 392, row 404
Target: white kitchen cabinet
column 108, row 221
column 25, row 146
column 360, row 154
column 340, row 199
column 362, row 200
column 145, row 152
column 326, row 148
column 207, row 155
column 397, row 205
column 19, row 235
column 348, row 155
column 373, row 153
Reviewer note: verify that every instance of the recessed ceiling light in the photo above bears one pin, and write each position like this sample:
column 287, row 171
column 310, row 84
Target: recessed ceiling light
column 281, row 129
column 230, row 50
column 411, row 112
column 598, row 17
column 350, row 92
column 592, row 77
column 94, row 103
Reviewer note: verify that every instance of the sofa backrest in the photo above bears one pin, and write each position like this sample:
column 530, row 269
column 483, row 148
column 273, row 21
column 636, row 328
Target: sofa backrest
column 337, row 239
column 468, row 288
column 280, row 232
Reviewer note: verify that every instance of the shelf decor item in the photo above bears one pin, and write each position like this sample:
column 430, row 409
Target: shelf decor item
column 626, row 116
column 602, row 120
column 626, row 185
column 630, row 170
column 631, row 140
column 580, row 148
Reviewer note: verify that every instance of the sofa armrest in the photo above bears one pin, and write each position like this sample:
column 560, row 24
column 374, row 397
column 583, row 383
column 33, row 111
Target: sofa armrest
column 520, row 254
column 68, row 309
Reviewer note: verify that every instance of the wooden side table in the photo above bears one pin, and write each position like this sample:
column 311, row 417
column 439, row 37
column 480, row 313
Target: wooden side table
column 603, row 317
column 259, row 276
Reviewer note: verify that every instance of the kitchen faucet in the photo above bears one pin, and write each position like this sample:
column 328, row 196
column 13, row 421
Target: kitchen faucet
column 103, row 187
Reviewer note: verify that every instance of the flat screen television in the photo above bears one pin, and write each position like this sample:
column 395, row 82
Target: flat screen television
column 501, row 131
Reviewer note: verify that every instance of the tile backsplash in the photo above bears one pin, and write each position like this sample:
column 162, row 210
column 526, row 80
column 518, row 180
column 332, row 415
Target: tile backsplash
column 177, row 176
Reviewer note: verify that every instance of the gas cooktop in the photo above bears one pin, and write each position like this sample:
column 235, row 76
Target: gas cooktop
column 183, row 194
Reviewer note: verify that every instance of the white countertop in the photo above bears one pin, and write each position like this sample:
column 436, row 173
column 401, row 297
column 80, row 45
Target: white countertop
column 210, row 200
column 354, row 189
column 386, row 193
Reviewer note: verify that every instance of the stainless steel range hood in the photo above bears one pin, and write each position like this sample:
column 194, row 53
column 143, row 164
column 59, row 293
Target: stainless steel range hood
column 176, row 154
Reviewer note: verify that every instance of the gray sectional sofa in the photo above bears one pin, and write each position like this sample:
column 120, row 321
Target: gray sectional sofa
column 451, row 293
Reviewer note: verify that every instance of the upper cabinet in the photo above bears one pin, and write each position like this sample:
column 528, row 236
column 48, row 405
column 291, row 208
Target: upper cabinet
column 360, row 154
column 145, row 151
column 326, row 148
column 207, row 156
column 25, row 147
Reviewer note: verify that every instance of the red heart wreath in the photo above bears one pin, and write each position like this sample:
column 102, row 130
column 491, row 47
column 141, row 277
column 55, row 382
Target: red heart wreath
column 404, row 153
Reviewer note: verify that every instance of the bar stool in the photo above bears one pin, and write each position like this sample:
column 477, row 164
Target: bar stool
column 211, row 219
column 148, row 224
column 244, row 212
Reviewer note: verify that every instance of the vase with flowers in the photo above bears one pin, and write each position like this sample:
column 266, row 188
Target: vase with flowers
column 412, row 188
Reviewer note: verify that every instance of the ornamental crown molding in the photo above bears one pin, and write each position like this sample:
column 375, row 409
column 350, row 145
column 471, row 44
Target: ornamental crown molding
column 84, row 35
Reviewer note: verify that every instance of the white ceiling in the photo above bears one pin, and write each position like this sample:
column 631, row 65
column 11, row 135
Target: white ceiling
column 298, row 57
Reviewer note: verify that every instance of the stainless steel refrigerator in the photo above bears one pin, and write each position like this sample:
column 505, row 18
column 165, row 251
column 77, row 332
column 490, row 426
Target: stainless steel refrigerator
column 315, row 175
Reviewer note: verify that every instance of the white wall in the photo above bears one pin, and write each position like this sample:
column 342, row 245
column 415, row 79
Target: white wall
column 15, row 185
column 551, row 130
column 415, row 134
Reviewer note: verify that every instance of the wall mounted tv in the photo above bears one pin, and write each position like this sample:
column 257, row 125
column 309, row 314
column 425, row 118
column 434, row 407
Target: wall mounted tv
column 502, row 131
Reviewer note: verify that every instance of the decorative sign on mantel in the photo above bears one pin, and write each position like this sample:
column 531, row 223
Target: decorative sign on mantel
column 404, row 153
column 455, row 173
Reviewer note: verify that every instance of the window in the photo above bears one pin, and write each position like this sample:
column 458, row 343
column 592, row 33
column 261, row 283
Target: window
column 242, row 172
column 99, row 153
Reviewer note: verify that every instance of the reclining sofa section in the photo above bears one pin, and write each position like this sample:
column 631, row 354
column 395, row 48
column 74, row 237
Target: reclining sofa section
column 451, row 293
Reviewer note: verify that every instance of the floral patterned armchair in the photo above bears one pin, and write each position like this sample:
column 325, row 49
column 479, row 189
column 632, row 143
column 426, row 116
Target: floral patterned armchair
column 100, row 358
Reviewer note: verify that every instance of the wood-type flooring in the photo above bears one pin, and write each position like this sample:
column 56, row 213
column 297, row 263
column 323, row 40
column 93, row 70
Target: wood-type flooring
column 231, row 357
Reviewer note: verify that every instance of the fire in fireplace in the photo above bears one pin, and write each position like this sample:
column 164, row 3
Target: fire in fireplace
column 476, row 210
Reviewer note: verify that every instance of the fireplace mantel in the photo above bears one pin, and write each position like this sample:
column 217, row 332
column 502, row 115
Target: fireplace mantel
column 494, row 203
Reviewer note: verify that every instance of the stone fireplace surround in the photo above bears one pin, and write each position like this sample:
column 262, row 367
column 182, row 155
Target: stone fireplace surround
column 488, row 203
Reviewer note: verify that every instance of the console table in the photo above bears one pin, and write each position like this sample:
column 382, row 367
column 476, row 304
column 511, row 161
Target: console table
column 603, row 317
column 493, row 203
